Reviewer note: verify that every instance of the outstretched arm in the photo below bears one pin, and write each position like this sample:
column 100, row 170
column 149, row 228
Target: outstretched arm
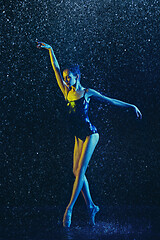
column 55, row 66
column 115, row 102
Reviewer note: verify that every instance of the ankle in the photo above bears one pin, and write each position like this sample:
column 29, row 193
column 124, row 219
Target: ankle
column 69, row 209
column 90, row 205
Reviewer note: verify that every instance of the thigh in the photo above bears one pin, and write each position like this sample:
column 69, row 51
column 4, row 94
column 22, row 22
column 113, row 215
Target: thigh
column 87, row 151
column 77, row 152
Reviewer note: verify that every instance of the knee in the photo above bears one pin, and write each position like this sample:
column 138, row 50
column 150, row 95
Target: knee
column 75, row 172
column 96, row 137
column 80, row 173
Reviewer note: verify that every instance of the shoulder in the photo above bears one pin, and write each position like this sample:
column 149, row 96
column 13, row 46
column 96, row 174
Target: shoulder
column 91, row 92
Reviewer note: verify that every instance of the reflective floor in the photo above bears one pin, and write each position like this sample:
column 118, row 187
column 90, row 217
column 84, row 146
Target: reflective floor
column 112, row 222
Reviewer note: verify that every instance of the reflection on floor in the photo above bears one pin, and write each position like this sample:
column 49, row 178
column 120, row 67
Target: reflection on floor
column 112, row 222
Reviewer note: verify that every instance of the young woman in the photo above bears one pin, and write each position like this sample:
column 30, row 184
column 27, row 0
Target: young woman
column 86, row 135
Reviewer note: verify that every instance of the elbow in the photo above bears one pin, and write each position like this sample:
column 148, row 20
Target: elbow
column 112, row 102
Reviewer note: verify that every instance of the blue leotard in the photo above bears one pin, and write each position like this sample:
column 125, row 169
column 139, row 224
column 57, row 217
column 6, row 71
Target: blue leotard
column 79, row 123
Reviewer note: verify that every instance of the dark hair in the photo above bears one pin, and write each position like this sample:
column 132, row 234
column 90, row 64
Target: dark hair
column 74, row 68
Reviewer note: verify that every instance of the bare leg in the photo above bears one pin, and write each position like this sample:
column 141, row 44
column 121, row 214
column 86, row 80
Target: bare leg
column 92, row 208
column 76, row 157
column 87, row 151
column 86, row 193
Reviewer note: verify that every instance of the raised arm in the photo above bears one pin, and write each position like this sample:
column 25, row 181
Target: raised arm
column 55, row 66
column 112, row 101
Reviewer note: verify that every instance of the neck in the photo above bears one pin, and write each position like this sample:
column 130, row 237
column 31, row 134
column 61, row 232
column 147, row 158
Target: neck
column 74, row 87
column 77, row 86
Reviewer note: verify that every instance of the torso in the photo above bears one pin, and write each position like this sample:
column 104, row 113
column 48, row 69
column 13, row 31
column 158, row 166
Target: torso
column 76, row 95
column 78, row 106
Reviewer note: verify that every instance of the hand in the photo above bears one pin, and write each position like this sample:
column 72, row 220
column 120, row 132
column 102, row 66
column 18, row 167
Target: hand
column 43, row 45
column 138, row 113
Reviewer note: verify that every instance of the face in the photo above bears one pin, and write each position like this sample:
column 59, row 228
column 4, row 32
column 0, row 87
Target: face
column 69, row 78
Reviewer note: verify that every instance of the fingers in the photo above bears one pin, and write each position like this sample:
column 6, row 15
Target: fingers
column 139, row 114
column 43, row 45
column 40, row 45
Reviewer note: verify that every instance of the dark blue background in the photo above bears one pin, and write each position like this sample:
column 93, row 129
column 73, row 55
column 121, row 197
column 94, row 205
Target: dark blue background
column 116, row 44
